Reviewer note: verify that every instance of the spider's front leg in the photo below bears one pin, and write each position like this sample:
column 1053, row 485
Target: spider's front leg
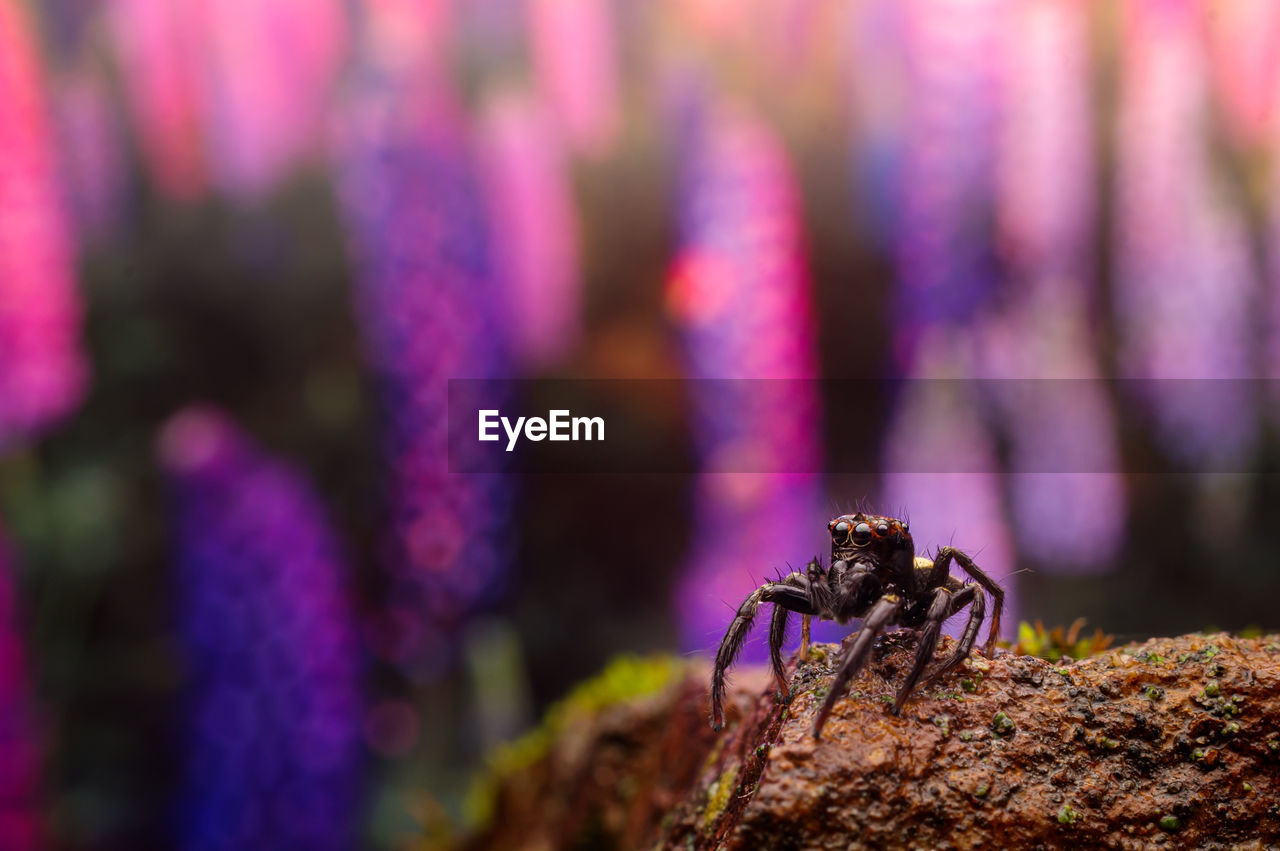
column 942, row 563
column 791, row 594
column 940, row 608
column 882, row 614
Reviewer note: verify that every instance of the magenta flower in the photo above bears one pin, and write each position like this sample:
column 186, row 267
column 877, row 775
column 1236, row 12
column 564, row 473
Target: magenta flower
column 42, row 369
column 741, row 296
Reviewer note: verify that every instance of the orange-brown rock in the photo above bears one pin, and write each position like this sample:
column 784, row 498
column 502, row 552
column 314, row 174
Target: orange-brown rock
column 1174, row 743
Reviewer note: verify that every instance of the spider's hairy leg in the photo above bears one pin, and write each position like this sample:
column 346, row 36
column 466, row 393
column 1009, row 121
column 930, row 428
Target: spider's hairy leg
column 780, row 594
column 882, row 614
column 968, row 594
column 988, row 584
column 778, row 628
column 939, row 611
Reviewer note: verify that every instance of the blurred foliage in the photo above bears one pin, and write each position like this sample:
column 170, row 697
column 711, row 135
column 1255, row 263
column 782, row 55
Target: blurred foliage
column 1058, row 643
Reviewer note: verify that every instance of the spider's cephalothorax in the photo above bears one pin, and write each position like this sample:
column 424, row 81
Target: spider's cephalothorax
column 875, row 576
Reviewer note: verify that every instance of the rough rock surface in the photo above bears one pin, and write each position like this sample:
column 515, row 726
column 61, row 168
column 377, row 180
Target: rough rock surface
column 1174, row 743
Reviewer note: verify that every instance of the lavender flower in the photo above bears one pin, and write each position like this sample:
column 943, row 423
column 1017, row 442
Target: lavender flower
column 273, row 705
column 946, row 271
column 427, row 301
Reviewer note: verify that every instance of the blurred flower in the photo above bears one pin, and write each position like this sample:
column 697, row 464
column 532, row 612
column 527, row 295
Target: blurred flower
column 42, row 370
column 228, row 92
column 272, row 69
column 1073, row 516
column 939, row 461
column 1183, row 279
column 574, row 56
column 92, row 152
column 273, row 709
column 530, row 194
column 1242, row 38
column 941, row 468
column 159, row 48
column 740, row 293
column 946, row 270
column 428, row 303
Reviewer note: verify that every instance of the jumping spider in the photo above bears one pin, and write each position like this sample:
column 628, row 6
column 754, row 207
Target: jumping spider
column 875, row 576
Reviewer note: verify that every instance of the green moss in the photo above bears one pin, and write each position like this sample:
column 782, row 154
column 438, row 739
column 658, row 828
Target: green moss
column 625, row 678
column 1002, row 724
column 1212, row 689
column 1108, row 744
column 1170, row 823
column 1153, row 692
column 1153, row 658
column 718, row 796
column 1066, row 815
column 943, row 723
column 968, row 685
column 981, row 791
column 1230, row 728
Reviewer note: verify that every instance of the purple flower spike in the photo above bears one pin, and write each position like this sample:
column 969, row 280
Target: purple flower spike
column 429, row 306
column 273, row 705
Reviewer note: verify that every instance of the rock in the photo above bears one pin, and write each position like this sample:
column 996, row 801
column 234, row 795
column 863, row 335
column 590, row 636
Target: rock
column 1173, row 742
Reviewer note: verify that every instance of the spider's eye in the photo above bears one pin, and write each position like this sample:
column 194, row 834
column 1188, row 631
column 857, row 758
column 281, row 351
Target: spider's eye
column 882, row 529
column 906, row 527
column 840, row 532
column 861, row 533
